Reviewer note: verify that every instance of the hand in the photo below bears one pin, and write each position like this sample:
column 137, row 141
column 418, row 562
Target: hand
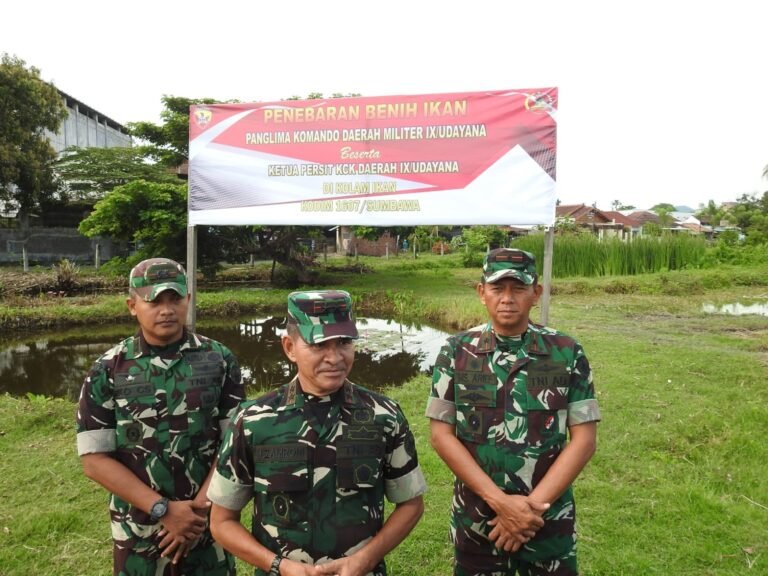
column 182, row 549
column 181, row 525
column 292, row 568
column 517, row 521
column 347, row 566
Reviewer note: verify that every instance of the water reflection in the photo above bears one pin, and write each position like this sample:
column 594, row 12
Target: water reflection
column 387, row 353
column 737, row 309
column 53, row 364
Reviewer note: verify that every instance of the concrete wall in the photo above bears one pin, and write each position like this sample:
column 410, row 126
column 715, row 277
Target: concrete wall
column 51, row 245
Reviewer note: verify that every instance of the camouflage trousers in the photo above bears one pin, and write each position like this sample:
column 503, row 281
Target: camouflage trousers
column 139, row 558
column 508, row 565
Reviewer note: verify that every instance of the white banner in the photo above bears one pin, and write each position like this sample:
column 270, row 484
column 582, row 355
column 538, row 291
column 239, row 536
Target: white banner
column 463, row 158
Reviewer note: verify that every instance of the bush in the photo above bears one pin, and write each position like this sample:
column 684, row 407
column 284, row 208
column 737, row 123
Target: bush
column 472, row 259
column 66, row 276
column 621, row 287
column 119, row 267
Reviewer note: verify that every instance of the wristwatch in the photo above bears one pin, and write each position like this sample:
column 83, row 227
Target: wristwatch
column 274, row 570
column 159, row 509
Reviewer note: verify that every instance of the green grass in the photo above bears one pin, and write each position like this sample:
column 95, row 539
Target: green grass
column 678, row 486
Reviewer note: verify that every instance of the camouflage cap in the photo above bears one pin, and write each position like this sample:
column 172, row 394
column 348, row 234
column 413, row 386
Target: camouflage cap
column 509, row 263
column 322, row 314
column 151, row 277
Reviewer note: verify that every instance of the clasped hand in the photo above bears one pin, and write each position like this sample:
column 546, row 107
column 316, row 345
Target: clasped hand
column 517, row 520
column 182, row 526
column 347, row 566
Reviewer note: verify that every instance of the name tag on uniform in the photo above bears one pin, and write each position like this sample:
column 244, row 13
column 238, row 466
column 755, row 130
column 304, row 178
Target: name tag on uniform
column 281, row 453
column 352, row 450
column 132, row 386
column 545, row 374
column 200, row 369
column 475, row 378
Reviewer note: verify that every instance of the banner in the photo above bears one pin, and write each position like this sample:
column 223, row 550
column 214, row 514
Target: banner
column 460, row 158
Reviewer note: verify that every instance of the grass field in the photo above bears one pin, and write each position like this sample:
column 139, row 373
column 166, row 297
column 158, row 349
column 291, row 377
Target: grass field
column 678, row 486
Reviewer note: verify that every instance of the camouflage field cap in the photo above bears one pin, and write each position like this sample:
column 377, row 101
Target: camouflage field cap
column 509, row 263
column 322, row 314
column 151, row 277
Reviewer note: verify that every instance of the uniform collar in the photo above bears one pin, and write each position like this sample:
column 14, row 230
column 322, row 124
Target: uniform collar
column 138, row 346
column 293, row 397
column 533, row 340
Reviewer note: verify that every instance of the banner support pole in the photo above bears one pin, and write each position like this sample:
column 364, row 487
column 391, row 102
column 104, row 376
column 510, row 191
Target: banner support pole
column 192, row 276
column 549, row 241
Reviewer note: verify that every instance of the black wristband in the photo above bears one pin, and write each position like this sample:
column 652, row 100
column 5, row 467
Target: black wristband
column 274, row 569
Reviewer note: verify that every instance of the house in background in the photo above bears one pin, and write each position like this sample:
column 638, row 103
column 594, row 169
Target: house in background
column 687, row 221
column 592, row 218
column 642, row 217
column 632, row 228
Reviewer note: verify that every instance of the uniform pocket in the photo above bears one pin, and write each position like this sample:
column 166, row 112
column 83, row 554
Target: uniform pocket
column 472, row 423
column 359, row 465
column 475, row 399
column 547, row 414
column 135, row 409
column 282, row 485
column 201, row 411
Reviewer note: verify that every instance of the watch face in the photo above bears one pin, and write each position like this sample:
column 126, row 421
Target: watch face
column 159, row 509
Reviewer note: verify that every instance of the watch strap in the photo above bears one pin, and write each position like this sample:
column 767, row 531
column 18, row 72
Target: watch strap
column 274, row 569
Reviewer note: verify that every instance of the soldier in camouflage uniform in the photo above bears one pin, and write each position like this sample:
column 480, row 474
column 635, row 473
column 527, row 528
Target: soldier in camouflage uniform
column 317, row 456
column 504, row 398
column 151, row 415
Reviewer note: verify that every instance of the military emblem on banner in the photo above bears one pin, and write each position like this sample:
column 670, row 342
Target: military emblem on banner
column 203, row 117
column 539, row 102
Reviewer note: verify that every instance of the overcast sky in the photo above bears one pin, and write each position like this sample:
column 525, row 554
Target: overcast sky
column 660, row 101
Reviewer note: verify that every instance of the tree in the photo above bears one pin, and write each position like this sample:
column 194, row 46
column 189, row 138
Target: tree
column 28, row 107
column 168, row 143
column 153, row 216
column 711, row 213
column 665, row 217
column 663, row 206
column 567, row 226
column 477, row 240
column 619, row 205
column 664, row 212
column 90, row 173
column 651, row 228
column 751, row 216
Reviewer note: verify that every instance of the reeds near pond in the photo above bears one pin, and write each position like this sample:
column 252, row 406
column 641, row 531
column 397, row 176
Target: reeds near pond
column 586, row 255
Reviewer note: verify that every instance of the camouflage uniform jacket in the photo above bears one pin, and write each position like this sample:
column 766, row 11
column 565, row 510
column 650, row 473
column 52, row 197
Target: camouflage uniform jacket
column 511, row 408
column 318, row 487
column 162, row 415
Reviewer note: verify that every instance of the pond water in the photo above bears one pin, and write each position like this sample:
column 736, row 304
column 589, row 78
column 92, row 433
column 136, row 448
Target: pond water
column 738, row 309
column 53, row 364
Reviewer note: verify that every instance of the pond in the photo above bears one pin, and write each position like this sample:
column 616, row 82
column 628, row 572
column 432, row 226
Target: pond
column 53, row 364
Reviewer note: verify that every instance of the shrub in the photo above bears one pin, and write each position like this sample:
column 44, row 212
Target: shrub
column 66, row 275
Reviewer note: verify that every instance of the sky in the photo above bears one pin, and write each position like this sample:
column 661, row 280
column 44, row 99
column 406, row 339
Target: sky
column 659, row 101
